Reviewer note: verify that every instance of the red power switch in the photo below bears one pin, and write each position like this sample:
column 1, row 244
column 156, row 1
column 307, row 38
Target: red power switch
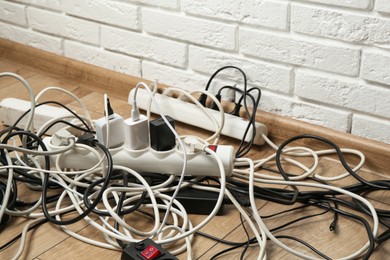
column 213, row 148
column 150, row 252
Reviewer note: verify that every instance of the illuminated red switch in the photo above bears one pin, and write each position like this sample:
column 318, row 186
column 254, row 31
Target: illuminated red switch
column 213, row 148
column 150, row 252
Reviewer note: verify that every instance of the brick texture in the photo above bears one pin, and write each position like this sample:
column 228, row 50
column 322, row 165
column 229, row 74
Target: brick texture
column 320, row 61
column 190, row 29
column 102, row 58
column 12, row 13
column 382, row 6
column 161, row 50
column 363, row 97
column 298, row 52
column 115, row 13
column 264, row 13
column 65, row 26
column 340, row 25
column 375, row 67
column 371, row 127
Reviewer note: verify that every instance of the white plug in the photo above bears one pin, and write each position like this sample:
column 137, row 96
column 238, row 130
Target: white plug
column 62, row 138
column 115, row 123
column 136, row 133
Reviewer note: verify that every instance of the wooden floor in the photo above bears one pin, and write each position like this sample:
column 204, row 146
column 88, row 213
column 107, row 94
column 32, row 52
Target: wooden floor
column 49, row 242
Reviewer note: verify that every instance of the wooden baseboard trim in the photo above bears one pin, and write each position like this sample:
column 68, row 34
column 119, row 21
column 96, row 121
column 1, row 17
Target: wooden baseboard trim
column 280, row 127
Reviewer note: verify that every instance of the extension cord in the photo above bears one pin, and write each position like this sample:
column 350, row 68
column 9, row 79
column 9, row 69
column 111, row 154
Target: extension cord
column 199, row 163
column 12, row 108
column 190, row 114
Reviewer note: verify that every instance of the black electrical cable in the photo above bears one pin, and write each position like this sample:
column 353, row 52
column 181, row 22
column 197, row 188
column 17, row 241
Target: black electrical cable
column 17, row 237
column 365, row 223
column 203, row 99
column 88, row 192
column 235, row 245
column 31, row 179
column 248, row 238
column 252, row 120
column 305, row 244
column 119, row 208
column 62, row 122
column 330, row 143
column 98, row 198
column 298, row 220
column 242, row 150
column 59, row 104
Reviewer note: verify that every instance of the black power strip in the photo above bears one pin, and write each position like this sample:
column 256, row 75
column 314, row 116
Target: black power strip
column 146, row 250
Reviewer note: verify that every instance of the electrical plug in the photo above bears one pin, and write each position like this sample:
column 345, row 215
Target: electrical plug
column 62, row 138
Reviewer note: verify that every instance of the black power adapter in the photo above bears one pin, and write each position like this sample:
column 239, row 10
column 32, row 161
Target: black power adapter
column 201, row 202
column 161, row 137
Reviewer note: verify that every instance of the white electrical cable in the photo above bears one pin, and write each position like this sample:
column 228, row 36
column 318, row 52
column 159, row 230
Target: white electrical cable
column 219, row 126
column 107, row 141
column 321, row 186
column 319, row 153
column 63, row 149
column 24, row 238
column 182, row 146
column 154, row 86
column 30, row 120
column 78, row 100
column 217, row 204
column 51, row 121
column 255, row 213
column 8, row 188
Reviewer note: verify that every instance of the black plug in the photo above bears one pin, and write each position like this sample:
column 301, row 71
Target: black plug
column 236, row 110
column 202, row 99
column 161, row 136
column 87, row 139
column 109, row 108
column 214, row 106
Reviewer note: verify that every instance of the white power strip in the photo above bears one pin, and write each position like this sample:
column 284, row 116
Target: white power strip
column 190, row 114
column 12, row 108
column 149, row 160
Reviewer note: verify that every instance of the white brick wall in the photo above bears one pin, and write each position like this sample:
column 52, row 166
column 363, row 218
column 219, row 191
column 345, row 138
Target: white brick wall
column 176, row 26
column 326, row 62
column 343, row 26
column 265, row 13
column 371, row 127
column 295, row 51
column 375, row 67
column 12, row 13
column 102, row 58
column 105, row 11
column 349, row 94
column 62, row 25
column 261, row 74
column 363, row 4
column 382, row 6
column 306, row 111
column 47, row 4
column 31, row 38
column 165, row 3
column 161, row 50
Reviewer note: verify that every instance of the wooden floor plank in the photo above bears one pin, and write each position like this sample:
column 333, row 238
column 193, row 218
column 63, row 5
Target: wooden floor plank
column 49, row 242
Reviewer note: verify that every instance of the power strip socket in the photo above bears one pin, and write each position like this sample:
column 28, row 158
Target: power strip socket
column 12, row 108
column 149, row 160
column 190, row 114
